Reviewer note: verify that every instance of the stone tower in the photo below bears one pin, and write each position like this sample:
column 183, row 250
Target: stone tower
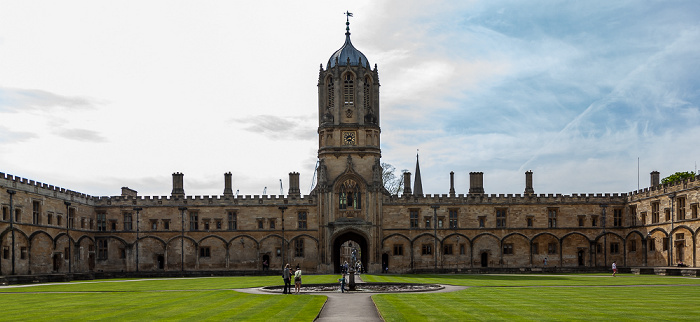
column 349, row 182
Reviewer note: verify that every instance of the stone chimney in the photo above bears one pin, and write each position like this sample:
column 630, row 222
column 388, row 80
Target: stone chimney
column 126, row 192
column 476, row 182
column 407, row 183
column 528, row 183
column 452, row 183
column 228, row 190
column 178, row 190
column 294, row 190
column 654, row 179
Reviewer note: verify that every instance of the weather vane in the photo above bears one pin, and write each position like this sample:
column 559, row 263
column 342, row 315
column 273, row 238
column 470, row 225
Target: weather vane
column 347, row 23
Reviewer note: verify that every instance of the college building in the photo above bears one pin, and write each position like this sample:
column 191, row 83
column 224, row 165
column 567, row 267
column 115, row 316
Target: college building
column 47, row 229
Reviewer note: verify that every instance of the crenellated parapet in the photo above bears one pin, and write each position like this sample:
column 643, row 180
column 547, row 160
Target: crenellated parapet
column 662, row 189
column 544, row 199
column 36, row 187
column 204, row 200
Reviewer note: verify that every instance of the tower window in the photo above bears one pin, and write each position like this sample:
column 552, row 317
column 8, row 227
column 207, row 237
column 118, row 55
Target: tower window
column 330, row 88
column 367, row 94
column 348, row 90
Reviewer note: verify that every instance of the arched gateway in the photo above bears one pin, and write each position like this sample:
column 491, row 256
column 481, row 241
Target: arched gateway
column 341, row 249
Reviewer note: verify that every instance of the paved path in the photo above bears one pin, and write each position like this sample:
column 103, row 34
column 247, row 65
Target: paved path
column 349, row 306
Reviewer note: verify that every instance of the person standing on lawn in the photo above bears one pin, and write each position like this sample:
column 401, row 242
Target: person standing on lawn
column 297, row 281
column 614, row 268
column 287, row 276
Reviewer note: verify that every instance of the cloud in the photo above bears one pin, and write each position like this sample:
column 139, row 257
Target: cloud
column 81, row 135
column 277, row 127
column 16, row 99
column 8, row 136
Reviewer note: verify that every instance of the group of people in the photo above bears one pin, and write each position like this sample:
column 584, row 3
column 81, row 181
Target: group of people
column 345, row 267
column 287, row 274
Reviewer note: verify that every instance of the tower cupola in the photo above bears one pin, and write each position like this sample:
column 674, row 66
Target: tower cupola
column 348, row 54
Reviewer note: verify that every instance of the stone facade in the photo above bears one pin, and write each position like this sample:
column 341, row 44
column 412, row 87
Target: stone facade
column 46, row 229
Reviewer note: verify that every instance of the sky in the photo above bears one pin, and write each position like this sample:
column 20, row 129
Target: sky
column 590, row 95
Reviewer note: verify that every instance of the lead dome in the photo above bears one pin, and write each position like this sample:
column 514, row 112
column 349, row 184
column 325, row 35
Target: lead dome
column 340, row 56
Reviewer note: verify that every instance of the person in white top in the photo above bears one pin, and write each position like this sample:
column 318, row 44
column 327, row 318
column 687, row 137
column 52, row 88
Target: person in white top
column 614, row 267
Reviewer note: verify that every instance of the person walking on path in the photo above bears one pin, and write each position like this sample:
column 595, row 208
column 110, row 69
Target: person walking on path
column 297, row 281
column 342, row 283
column 614, row 268
column 287, row 276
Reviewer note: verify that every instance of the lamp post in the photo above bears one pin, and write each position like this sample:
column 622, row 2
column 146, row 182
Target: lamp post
column 283, row 208
column 12, row 229
column 435, row 208
column 670, row 236
column 68, row 219
column 605, row 238
column 182, row 238
column 137, row 209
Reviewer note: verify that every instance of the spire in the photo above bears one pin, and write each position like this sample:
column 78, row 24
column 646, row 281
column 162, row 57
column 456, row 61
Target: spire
column 417, row 184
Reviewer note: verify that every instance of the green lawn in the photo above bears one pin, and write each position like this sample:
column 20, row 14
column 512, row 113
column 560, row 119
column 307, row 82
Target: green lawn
column 488, row 297
column 540, row 297
column 192, row 299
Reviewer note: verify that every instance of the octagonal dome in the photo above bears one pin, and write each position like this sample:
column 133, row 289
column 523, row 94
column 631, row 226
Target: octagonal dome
column 345, row 52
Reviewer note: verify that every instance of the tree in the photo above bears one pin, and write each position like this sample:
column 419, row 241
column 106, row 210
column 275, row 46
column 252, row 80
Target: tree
column 392, row 182
column 678, row 176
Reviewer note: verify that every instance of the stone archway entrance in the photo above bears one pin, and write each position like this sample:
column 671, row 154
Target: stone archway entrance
column 344, row 244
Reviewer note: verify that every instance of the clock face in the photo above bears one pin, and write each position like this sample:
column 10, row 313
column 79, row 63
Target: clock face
column 349, row 138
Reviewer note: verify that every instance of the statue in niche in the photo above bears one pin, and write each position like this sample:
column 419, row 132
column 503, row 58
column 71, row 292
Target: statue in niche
column 370, row 118
column 328, row 116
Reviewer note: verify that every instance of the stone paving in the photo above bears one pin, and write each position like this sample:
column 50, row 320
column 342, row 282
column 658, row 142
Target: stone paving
column 348, row 306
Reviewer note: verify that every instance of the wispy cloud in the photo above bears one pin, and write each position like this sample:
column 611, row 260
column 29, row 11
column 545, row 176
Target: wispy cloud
column 81, row 135
column 16, row 99
column 8, row 136
column 277, row 127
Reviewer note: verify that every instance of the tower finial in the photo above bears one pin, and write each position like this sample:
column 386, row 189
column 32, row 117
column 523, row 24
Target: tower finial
column 348, row 14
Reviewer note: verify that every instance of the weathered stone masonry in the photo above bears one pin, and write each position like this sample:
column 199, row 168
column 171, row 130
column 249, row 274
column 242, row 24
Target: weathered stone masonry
column 46, row 229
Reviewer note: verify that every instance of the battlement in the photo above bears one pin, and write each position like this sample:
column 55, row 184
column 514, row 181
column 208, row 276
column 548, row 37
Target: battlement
column 665, row 188
column 31, row 186
column 204, row 200
column 509, row 198
column 24, row 184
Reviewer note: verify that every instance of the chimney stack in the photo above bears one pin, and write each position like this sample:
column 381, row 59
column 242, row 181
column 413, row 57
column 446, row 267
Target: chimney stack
column 126, row 192
column 294, row 184
column 228, row 190
column 407, row 183
column 654, row 178
column 452, row 183
column 528, row 183
column 476, row 182
column 178, row 190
